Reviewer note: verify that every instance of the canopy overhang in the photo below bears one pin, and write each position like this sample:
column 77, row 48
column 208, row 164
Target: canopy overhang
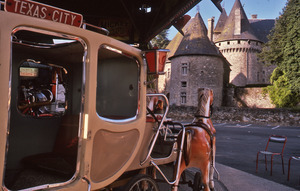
column 131, row 21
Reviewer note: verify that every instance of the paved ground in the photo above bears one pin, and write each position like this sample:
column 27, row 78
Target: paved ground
column 232, row 179
column 237, row 146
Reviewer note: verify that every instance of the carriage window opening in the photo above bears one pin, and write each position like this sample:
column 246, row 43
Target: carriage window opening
column 117, row 85
column 47, row 83
column 44, row 72
column 184, row 84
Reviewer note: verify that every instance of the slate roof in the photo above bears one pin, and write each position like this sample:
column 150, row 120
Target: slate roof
column 172, row 46
column 262, row 28
column 247, row 33
column 221, row 22
column 195, row 40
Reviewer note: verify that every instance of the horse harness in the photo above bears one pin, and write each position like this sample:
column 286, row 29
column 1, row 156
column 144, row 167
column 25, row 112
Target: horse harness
column 209, row 132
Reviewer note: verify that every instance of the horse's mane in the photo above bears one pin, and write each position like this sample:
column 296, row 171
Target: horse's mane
column 203, row 101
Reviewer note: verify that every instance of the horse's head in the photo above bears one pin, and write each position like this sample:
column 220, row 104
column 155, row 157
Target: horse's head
column 205, row 101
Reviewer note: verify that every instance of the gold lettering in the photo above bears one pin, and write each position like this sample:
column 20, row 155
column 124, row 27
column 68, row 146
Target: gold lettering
column 53, row 15
column 29, row 9
column 43, row 11
column 60, row 17
column 36, row 12
column 23, row 5
column 66, row 17
column 17, row 3
column 73, row 18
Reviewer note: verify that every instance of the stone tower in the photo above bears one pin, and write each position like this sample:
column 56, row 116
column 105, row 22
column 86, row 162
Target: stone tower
column 196, row 63
column 238, row 42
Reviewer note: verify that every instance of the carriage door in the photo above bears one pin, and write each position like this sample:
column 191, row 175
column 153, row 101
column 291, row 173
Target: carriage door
column 116, row 126
column 46, row 92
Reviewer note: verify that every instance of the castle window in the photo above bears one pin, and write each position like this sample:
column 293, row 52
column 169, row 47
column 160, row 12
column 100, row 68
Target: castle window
column 249, row 42
column 219, row 44
column 184, row 84
column 183, row 97
column 228, row 42
column 184, row 68
column 239, row 42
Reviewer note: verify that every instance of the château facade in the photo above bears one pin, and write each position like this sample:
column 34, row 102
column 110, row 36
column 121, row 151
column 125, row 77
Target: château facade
column 217, row 57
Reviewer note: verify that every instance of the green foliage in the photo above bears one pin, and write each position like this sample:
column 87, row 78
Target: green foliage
column 283, row 50
column 160, row 41
column 281, row 92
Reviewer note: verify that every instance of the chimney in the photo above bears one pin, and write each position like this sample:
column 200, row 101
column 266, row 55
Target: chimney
column 254, row 16
column 210, row 25
column 237, row 22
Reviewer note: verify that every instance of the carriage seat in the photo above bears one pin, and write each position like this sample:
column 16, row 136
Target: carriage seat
column 62, row 159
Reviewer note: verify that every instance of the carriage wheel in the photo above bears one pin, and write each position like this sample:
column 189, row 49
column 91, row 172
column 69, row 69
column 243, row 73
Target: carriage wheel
column 141, row 182
column 197, row 186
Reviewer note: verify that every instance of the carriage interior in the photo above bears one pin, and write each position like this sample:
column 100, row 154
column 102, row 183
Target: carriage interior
column 46, row 94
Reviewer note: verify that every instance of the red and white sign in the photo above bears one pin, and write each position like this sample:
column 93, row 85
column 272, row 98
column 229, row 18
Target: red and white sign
column 42, row 11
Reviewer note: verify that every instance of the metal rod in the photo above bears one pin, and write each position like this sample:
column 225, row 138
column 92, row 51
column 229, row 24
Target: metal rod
column 89, row 183
column 178, row 161
column 159, row 127
column 94, row 26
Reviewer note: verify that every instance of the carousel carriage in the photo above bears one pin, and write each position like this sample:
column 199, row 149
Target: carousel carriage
column 77, row 112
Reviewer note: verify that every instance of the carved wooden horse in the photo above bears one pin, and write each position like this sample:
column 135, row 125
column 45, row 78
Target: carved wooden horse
column 199, row 149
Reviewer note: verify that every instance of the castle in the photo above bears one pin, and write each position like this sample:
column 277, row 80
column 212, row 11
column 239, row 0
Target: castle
column 218, row 58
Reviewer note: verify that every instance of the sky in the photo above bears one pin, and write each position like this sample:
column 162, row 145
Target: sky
column 265, row 9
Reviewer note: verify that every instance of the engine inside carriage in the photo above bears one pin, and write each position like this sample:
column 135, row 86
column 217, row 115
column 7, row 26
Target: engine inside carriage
column 46, row 93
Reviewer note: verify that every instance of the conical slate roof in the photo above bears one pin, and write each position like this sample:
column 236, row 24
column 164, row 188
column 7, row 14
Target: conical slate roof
column 237, row 25
column 221, row 22
column 195, row 40
column 172, row 46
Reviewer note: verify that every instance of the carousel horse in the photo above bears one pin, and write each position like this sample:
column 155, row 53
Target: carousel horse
column 199, row 148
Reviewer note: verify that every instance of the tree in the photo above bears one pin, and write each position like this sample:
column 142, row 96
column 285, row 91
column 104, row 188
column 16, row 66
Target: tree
column 160, row 40
column 283, row 50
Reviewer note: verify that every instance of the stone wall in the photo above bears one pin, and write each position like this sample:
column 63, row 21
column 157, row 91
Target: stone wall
column 201, row 71
column 252, row 97
column 282, row 117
